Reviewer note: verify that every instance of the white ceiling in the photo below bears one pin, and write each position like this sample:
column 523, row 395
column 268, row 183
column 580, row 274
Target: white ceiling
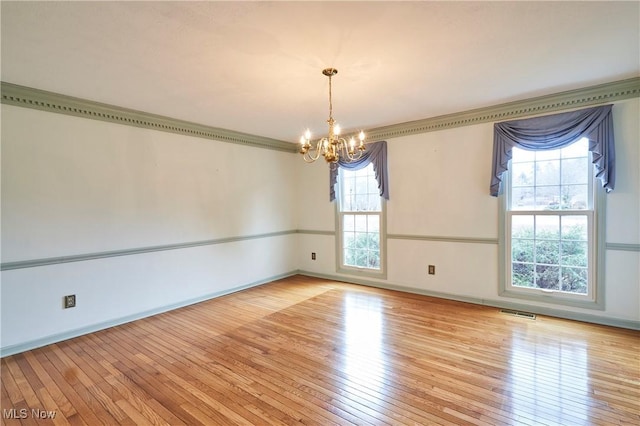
column 255, row 67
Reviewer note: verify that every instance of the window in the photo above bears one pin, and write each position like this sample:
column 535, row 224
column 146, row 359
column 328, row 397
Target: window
column 550, row 224
column 360, row 222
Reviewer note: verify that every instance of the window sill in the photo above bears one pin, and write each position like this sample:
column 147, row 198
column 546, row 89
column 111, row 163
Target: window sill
column 553, row 298
column 362, row 272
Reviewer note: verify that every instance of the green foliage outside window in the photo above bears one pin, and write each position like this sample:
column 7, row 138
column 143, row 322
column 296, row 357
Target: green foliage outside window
column 362, row 249
column 547, row 262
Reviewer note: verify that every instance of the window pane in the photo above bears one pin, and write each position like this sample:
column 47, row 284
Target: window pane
column 361, row 185
column 547, row 197
column 373, row 241
column 522, row 174
column 579, row 148
column 547, row 251
column 521, row 155
column 552, row 154
column 349, row 222
column 373, row 186
column 574, row 280
column 575, row 170
column 347, row 193
column 575, row 248
column 523, row 275
column 373, row 223
column 548, row 172
column 547, row 244
column 361, row 258
column 522, row 250
column 522, row 233
column 548, row 277
column 522, row 198
column 361, row 223
column 547, row 227
column 374, row 203
column 575, row 197
column 374, row 259
column 361, row 240
column 522, row 226
column 349, row 241
column 574, row 253
column 574, row 228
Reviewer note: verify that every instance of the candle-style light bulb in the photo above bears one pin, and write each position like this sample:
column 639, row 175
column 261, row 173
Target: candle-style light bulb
column 361, row 136
column 336, row 130
column 307, row 134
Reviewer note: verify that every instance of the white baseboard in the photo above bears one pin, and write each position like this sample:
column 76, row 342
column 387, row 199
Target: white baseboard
column 55, row 338
column 558, row 313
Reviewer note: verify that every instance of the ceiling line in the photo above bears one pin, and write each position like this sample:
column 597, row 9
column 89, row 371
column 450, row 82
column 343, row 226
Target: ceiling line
column 27, row 97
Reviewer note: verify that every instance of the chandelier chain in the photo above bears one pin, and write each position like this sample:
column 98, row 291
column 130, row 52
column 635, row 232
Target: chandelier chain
column 330, row 101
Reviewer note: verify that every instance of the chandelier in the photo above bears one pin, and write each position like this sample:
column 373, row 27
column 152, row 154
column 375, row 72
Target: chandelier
column 332, row 147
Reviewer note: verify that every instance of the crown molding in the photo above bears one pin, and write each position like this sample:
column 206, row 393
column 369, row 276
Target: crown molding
column 593, row 95
column 13, row 94
column 27, row 97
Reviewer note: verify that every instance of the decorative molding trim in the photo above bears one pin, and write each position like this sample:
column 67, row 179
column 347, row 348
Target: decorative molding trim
column 314, row 232
column 27, row 97
column 622, row 247
column 540, row 310
column 470, row 240
column 464, row 240
column 55, row 338
column 594, row 95
column 33, row 263
column 128, row 252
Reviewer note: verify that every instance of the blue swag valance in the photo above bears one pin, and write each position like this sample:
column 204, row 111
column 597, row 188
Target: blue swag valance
column 376, row 153
column 557, row 131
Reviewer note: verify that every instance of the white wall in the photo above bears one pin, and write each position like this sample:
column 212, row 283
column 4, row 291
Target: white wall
column 439, row 188
column 73, row 186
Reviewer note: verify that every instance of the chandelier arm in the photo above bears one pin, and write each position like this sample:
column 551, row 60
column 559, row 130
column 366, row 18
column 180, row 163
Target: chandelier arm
column 310, row 158
column 354, row 157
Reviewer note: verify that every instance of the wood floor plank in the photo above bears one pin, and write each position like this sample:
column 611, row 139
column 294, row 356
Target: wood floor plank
column 317, row 352
column 62, row 404
column 66, row 376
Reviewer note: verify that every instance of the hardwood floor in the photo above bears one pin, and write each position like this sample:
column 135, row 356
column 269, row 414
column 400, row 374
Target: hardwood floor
column 311, row 351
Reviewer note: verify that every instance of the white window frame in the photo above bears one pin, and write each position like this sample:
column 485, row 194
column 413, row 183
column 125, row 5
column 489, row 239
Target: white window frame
column 595, row 213
column 340, row 264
